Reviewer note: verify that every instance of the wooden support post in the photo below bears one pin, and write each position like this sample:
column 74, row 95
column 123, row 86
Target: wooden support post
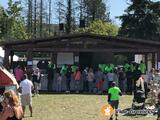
column 146, row 61
column 29, row 57
column 29, row 63
column 149, row 61
column 153, row 60
column 54, row 57
column 11, row 62
column 76, row 58
column 6, row 58
column 158, row 59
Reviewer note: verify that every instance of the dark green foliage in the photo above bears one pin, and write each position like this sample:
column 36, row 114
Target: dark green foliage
column 96, row 10
column 69, row 16
column 101, row 28
column 141, row 20
column 3, row 20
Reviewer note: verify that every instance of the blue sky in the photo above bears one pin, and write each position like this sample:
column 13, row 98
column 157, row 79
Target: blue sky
column 116, row 7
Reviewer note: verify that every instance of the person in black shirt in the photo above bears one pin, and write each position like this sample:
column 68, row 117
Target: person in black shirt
column 36, row 79
column 68, row 76
column 129, row 77
column 136, row 75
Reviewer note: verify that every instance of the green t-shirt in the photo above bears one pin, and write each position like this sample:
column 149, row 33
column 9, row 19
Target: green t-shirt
column 133, row 67
column 64, row 69
column 126, row 66
column 142, row 67
column 74, row 68
column 112, row 66
column 106, row 69
column 114, row 91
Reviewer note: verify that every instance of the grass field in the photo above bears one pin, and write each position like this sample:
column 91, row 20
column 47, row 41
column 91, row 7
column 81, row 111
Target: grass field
column 76, row 107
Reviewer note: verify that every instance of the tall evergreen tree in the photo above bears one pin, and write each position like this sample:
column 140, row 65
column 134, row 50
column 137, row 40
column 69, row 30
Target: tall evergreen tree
column 35, row 18
column 41, row 15
column 95, row 9
column 60, row 11
column 141, row 20
column 50, row 15
column 69, row 16
column 29, row 18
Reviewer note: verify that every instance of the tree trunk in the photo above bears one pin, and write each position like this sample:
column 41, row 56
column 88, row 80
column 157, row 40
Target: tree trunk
column 35, row 18
column 41, row 7
column 50, row 17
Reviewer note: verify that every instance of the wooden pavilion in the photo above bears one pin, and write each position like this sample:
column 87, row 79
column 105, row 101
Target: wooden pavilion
column 81, row 45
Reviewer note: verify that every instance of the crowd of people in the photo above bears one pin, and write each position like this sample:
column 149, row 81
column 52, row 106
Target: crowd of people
column 72, row 78
column 97, row 79
column 107, row 78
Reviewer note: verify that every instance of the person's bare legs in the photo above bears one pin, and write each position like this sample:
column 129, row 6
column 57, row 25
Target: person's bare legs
column 23, row 107
column 30, row 109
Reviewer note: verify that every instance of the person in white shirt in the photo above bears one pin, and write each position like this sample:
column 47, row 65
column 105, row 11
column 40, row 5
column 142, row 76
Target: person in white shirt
column 90, row 79
column 26, row 87
column 110, row 77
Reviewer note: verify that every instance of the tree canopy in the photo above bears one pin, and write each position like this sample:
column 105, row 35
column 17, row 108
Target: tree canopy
column 12, row 26
column 36, row 21
column 100, row 27
column 96, row 10
column 3, row 17
column 141, row 20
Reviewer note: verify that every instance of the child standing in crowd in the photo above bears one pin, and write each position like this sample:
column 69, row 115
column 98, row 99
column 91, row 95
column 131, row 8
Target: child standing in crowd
column 68, row 78
column 77, row 78
column 90, row 79
column 59, row 82
column 110, row 76
column 99, row 80
column 129, row 77
column 151, row 75
column 121, row 79
column 84, row 78
column 36, row 78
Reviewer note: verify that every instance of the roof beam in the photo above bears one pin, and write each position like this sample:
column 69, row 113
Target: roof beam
column 121, row 50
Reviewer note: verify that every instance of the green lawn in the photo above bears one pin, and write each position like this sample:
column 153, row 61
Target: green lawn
column 75, row 107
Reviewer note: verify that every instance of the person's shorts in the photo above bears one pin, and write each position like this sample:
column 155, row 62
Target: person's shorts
column 26, row 99
column 37, row 86
column 114, row 104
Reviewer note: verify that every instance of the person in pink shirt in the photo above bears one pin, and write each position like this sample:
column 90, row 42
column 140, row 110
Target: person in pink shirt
column 77, row 78
column 19, row 74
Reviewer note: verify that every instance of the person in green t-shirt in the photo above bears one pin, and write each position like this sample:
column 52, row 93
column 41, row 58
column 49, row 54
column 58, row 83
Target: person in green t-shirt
column 114, row 94
column 126, row 66
column 142, row 67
